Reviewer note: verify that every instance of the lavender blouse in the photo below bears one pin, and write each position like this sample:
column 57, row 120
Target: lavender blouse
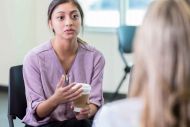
column 42, row 70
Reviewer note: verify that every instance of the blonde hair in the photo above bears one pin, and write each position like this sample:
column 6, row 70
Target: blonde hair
column 162, row 65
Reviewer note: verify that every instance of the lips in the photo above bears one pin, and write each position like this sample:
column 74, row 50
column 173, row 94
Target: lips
column 68, row 31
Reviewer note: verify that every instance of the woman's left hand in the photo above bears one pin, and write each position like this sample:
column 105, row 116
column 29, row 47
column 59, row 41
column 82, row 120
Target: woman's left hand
column 84, row 113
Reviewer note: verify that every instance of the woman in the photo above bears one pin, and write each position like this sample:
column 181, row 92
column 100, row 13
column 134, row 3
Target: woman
column 53, row 68
column 160, row 91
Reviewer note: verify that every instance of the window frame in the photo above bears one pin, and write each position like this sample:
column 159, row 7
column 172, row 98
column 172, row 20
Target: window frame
column 123, row 7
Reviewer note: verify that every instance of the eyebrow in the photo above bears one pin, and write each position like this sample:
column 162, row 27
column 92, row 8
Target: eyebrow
column 69, row 12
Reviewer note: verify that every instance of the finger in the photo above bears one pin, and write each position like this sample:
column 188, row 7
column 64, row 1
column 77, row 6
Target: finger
column 74, row 96
column 75, row 90
column 61, row 81
column 72, row 106
column 67, row 92
column 80, row 117
column 76, row 87
column 71, row 92
column 85, row 111
column 68, row 88
column 71, row 88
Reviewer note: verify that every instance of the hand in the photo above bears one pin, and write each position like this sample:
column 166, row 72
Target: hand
column 67, row 93
column 83, row 114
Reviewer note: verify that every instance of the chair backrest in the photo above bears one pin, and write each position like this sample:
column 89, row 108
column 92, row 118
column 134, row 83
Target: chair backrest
column 17, row 99
column 125, row 37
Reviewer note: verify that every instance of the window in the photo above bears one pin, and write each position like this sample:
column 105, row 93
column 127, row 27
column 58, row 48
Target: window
column 101, row 13
column 135, row 11
column 112, row 13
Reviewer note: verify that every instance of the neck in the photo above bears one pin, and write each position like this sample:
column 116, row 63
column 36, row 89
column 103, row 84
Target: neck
column 65, row 48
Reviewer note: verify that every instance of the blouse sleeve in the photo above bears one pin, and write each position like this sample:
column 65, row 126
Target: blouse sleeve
column 96, row 96
column 33, row 87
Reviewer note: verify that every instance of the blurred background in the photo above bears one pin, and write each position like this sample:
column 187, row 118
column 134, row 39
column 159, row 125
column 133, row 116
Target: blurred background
column 23, row 25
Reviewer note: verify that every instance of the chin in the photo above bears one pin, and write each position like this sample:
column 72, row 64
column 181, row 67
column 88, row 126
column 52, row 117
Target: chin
column 70, row 37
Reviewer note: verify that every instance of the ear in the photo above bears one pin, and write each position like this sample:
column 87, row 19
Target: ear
column 50, row 24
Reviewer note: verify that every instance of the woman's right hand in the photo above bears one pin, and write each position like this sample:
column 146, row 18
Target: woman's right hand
column 63, row 93
column 66, row 93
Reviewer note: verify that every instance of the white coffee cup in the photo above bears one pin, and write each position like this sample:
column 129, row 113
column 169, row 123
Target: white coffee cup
column 82, row 101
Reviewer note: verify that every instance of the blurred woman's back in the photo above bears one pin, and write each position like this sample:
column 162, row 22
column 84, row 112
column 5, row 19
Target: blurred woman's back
column 162, row 65
column 161, row 75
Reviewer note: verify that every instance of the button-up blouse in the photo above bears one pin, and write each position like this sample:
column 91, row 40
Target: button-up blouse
column 42, row 71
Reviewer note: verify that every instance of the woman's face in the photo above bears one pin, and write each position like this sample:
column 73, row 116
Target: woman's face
column 66, row 21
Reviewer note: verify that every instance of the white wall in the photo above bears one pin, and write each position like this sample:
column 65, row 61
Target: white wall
column 17, row 33
column 24, row 26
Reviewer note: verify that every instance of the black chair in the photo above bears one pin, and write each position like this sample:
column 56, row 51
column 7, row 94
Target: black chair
column 125, row 38
column 16, row 98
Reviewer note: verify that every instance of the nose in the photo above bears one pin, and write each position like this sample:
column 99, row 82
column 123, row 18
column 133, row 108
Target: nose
column 68, row 22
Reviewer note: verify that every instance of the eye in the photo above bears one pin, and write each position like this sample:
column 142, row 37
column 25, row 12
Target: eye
column 75, row 16
column 60, row 18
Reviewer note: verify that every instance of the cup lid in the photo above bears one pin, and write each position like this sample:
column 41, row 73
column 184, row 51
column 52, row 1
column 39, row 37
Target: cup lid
column 86, row 87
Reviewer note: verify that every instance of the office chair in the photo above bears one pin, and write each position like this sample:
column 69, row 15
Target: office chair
column 125, row 38
column 16, row 95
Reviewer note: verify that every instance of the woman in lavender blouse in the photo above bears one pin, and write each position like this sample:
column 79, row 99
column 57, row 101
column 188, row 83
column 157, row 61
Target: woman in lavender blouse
column 52, row 69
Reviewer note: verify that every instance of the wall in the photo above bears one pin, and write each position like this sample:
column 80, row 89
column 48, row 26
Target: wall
column 17, row 33
column 25, row 26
